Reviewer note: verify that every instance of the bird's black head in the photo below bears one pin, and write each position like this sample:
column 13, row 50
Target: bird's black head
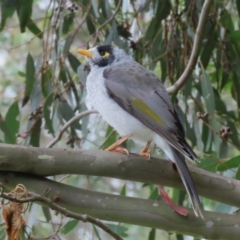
column 102, row 56
column 106, row 56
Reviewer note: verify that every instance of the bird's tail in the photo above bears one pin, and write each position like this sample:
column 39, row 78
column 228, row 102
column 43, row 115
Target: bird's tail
column 187, row 181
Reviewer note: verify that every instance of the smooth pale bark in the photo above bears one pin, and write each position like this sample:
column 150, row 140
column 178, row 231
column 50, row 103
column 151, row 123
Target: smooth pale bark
column 136, row 211
column 46, row 162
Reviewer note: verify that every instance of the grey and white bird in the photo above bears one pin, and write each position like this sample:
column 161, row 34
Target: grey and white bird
column 134, row 101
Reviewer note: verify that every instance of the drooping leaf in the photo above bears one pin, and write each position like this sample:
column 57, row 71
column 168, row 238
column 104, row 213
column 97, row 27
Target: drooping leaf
column 8, row 7
column 69, row 226
column 65, row 111
column 111, row 136
column 36, row 132
column 31, row 25
column 11, row 123
column 123, row 190
column 97, row 233
column 210, row 45
column 47, row 214
column 46, row 82
column 120, row 230
column 152, row 234
column 47, row 113
column 237, row 176
column 30, row 78
column 68, row 23
column 24, row 13
column 232, row 163
column 208, row 164
column 74, row 62
column 90, row 25
column 154, row 194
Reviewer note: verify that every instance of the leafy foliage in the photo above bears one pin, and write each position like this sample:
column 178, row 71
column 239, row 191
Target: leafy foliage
column 50, row 87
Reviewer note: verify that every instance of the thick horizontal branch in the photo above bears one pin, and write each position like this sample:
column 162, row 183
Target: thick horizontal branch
column 137, row 211
column 46, row 162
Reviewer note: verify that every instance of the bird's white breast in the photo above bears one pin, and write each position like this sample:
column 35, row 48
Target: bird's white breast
column 111, row 112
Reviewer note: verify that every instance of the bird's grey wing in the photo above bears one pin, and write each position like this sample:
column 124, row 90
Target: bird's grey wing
column 140, row 92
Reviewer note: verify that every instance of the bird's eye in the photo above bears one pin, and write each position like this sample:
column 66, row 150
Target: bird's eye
column 104, row 54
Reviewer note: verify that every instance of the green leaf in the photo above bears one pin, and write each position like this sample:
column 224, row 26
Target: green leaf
column 47, row 112
column 120, row 230
column 208, row 96
column 46, row 82
column 69, row 226
column 8, row 7
column 96, row 232
column 237, row 176
column 232, row 163
column 47, row 214
column 34, row 29
column 11, row 123
column 95, row 8
column 208, row 164
column 62, row 75
column 235, row 136
column 152, row 234
column 226, row 21
column 111, row 136
column 123, row 190
column 154, row 194
column 36, row 133
column 235, row 36
column 162, row 11
column 67, row 113
column 210, row 45
column 74, row 62
column 238, row 7
column 179, row 236
column 24, row 13
column 68, row 23
column 30, row 78
column 90, row 26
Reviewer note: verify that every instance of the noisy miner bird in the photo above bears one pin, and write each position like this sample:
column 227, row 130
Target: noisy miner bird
column 134, row 101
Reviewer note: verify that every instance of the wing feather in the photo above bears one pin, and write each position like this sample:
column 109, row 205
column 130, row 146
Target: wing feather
column 141, row 93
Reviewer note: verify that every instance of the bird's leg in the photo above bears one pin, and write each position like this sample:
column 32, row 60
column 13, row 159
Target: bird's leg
column 180, row 210
column 145, row 151
column 115, row 146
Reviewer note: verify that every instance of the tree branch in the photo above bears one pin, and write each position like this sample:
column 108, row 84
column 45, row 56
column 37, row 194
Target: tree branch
column 130, row 210
column 68, row 124
column 195, row 51
column 33, row 197
column 47, row 162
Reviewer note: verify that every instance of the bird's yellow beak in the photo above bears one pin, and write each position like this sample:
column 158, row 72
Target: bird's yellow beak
column 85, row 52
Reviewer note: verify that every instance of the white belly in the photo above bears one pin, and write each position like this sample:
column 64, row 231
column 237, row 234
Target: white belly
column 113, row 114
column 118, row 118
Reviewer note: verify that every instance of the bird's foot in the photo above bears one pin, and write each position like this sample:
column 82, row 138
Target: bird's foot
column 145, row 151
column 115, row 147
column 180, row 210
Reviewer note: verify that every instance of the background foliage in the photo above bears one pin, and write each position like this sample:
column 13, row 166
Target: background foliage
column 42, row 86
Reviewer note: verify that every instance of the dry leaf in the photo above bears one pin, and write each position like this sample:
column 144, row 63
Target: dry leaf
column 12, row 213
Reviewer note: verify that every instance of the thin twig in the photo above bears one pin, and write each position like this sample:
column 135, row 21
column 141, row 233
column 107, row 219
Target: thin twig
column 106, row 22
column 107, row 138
column 33, row 197
column 217, row 133
column 64, row 128
column 195, row 51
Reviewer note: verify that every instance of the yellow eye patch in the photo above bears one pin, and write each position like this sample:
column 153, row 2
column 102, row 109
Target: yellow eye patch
column 104, row 54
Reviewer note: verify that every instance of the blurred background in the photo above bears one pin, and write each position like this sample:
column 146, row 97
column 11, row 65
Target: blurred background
column 42, row 86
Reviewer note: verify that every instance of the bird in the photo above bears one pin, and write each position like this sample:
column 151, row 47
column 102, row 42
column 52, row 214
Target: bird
column 135, row 102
